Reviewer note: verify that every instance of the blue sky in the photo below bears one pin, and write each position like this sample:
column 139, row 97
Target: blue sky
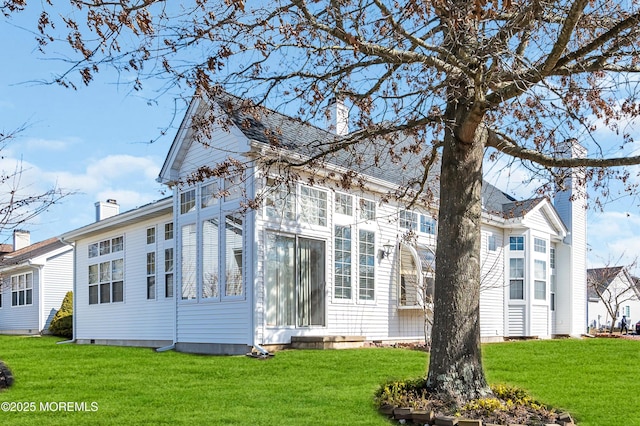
column 95, row 141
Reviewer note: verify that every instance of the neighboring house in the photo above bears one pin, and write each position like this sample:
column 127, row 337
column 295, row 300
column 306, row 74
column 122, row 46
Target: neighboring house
column 34, row 280
column 612, row 289
column 312, row 260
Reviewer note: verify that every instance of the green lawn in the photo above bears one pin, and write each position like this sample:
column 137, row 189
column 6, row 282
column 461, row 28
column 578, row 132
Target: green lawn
column 139, row 386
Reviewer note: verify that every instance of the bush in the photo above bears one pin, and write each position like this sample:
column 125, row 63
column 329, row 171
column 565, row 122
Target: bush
column 62, row 322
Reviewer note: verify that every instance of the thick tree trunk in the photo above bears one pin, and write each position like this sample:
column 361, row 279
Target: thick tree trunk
column 455, row 366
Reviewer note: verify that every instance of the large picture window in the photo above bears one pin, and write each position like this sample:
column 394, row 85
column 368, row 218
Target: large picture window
column 188, row 261
column 210, row 273
column 22, row 289
column 233, row 254
column 295, row 281
column 366, row 265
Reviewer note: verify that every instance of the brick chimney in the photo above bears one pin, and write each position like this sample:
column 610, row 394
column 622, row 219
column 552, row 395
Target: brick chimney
column 106, row 209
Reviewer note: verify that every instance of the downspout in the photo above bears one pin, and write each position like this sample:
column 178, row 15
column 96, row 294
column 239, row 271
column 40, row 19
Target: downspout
column 73, row 337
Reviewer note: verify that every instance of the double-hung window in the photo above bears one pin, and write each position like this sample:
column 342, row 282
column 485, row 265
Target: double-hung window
column 22, row 289
column 516, row 278
column 540, row 280
column 106, row 271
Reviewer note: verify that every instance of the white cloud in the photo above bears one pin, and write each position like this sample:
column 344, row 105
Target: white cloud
column 40, row 144
column 613, row 238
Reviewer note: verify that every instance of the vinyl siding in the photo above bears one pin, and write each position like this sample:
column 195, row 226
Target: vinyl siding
column 517, row 323
column 492, row 283
column 58, row 280
column 25, row 318
column 136, row 318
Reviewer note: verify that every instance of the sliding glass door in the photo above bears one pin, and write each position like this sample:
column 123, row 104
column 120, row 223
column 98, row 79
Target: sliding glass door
column 295, row 281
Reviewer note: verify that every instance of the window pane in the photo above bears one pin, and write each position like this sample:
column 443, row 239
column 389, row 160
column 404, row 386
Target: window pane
column 151, row 287
column 408, row 220
column 540, row 270
column 151, row 263
column 209, row 195
column 117, row 244
column 117, row 269
column 29, row 296
column 516, row 268
column 168, row 285
column 210, row 275
column 168, row 231
column 105, row 293
column 342, row 263
column 427, row 225
column 105, row 272
column 313, row 206
column 188, row 243
column 280, row 201
column 168, row 260
column 93, row 274
column 539, row 245
column 93, row 250
column 516, row 243
column 151, row 235
column 118, row 291
column 344, row 204
column 233, row 255
column 187, row 201
column 105, row 247
column 232, row 187
column 540, row 290
column 93, row 294
column 367, row 210
column 516, row 289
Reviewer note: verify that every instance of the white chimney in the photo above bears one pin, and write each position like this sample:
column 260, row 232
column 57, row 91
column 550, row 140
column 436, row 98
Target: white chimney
column 108, row 209
column 21, row 239
column 338, row 118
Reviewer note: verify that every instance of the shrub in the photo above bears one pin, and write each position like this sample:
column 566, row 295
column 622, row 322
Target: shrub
column 62, row 322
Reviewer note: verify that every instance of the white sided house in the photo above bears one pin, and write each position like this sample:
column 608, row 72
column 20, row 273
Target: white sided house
column 612, row 290
column 34, row 278
column 313, row 262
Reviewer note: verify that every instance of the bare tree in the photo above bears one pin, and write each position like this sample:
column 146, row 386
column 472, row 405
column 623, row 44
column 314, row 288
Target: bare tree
column 19, row 203
column 435, row 83
column 614, row 286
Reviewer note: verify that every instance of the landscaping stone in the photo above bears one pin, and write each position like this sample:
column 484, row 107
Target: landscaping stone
column 469, row 422
column 402, row 413
column 446, row 421
column 422, row 417
column 6, row 378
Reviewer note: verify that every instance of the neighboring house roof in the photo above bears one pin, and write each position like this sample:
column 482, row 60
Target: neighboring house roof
column 30, row 253
column 599, row 279
column 271, row 128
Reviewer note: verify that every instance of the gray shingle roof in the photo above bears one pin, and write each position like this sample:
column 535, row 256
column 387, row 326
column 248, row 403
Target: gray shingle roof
column 273, row 128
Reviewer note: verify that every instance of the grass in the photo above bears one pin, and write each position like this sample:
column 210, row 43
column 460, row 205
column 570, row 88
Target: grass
column 596, row 380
